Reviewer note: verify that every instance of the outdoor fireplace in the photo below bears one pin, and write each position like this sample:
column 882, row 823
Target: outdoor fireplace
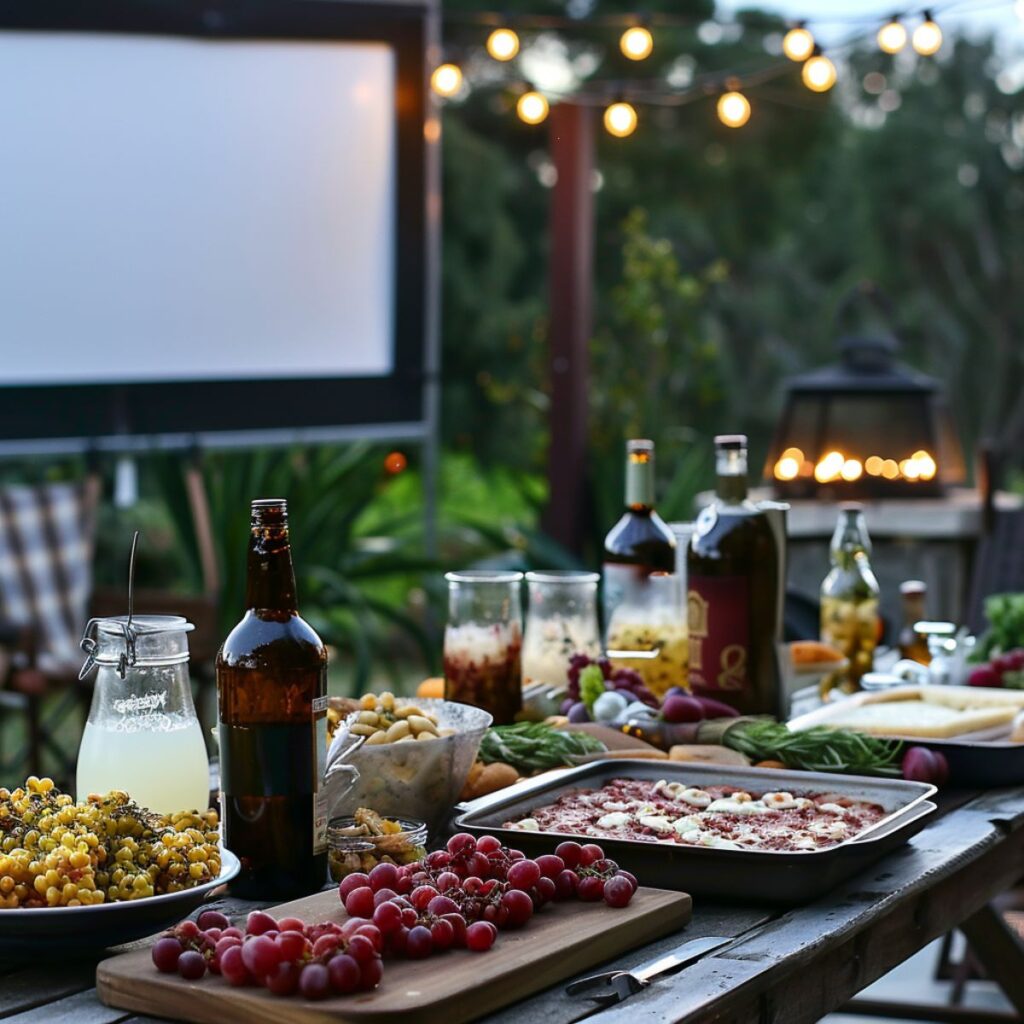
column 866, row 427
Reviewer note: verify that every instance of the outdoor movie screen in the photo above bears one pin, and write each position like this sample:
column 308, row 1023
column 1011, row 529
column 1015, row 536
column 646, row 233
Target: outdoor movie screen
column 192, row 222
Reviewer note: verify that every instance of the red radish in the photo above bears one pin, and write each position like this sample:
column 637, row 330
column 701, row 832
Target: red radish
column 715, row 708
column 682, row 709
column 923, row 765
column 984, row 675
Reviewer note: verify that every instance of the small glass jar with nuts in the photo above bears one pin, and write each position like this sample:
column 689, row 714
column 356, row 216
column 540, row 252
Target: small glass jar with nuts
column 381, row 719
column 366, row 839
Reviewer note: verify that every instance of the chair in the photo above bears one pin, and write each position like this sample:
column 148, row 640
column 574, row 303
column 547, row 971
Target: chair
column 47, row 536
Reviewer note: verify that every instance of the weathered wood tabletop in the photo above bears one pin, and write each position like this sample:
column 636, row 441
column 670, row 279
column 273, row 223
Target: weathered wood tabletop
column 786, row 967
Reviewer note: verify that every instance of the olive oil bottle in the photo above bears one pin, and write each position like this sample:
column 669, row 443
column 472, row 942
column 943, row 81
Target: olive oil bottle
column 733, row 593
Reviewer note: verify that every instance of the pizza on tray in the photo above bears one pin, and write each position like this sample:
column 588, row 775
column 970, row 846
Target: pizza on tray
column 721, row 817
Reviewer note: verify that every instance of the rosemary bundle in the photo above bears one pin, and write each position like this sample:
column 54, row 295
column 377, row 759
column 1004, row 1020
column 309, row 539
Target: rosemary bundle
column 535, row 746
column 819, row 749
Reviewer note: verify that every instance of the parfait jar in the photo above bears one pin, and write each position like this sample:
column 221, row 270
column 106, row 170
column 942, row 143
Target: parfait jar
column 561, row 621
column 483, row 642
column 648, row 632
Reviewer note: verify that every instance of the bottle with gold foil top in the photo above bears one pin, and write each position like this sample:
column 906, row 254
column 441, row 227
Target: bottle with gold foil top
column 733, row 593
column 850, row 619
column 272, row 693
column 639, row 543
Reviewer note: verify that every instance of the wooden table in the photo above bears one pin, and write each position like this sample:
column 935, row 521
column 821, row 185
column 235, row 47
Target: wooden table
column 786, row 967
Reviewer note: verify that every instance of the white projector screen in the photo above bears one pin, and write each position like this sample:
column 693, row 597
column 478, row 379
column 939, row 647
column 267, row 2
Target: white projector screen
column 177, row 209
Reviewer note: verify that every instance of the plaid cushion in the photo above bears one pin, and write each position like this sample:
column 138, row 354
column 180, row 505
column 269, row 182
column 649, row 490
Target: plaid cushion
column 46, row 551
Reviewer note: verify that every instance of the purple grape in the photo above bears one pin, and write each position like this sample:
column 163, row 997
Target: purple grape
column 676, row 691
column 566, row 705
column 628, row 677
column 578, row 712
column 577, row 662
column 606, row 667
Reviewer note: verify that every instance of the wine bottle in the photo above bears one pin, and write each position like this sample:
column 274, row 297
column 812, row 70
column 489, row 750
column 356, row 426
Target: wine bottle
column 733, row 593
column 639, row 543
column 272, row 693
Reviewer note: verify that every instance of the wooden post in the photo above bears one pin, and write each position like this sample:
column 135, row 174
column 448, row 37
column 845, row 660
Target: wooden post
column 571, row 293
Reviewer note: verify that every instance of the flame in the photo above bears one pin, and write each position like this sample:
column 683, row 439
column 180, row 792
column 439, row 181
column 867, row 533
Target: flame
column 789, row 465
column 835, row 466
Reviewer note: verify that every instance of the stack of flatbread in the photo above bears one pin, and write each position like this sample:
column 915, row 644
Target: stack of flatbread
column 930, row 712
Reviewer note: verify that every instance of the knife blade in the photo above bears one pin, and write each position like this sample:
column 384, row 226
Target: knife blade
column 615, row 986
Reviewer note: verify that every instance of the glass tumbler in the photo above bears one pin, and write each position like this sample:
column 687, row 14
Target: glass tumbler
column 561, row 620
column 483, row 642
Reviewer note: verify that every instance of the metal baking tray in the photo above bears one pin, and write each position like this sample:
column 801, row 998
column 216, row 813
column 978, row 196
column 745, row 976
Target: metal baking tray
column 771, row 877
column 986, row 759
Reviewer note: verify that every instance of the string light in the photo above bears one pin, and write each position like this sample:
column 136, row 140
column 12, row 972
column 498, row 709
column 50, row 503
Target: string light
column 819, row 73
column 927, row 38
column 733, row 109
column 446, row 80
column 636, row 42
column 892, row 36
column 503, row 44
column 798, row 43
column 620, row 119
column 532, row 107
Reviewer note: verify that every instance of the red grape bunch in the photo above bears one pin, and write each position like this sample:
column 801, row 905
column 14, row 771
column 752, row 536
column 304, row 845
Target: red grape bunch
column 283, row 956
column 463, row 895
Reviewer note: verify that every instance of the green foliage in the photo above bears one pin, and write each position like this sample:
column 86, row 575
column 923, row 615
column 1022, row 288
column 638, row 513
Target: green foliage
column 721, row 256
column 1005, row 615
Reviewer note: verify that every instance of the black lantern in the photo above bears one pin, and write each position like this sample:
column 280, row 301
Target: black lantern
column 866, row 427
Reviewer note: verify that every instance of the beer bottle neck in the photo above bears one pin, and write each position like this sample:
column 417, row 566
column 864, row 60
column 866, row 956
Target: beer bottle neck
column 270, row 581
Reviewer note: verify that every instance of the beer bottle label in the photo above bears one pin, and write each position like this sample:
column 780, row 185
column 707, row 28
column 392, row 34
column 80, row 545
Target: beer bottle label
column 718, row 615
column 320, row 791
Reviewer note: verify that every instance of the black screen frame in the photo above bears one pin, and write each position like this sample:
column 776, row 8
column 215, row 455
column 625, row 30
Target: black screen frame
column 171, row 413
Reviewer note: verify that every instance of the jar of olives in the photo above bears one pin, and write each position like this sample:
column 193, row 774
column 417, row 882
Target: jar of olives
column 850, row 618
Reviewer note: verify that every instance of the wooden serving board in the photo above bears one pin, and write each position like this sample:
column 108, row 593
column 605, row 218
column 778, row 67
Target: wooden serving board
column 449, row 988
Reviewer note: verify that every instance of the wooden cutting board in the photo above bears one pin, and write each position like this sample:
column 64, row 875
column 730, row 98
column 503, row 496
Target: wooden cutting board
column 449, row 988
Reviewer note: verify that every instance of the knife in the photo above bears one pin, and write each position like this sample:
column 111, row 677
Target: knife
column 615, row 986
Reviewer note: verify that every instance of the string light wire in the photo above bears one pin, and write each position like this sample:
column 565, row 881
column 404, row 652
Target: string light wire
column 710, row 84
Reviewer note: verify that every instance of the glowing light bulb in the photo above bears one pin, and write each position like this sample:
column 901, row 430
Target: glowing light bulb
column 819, row 73
column 636, row 43
column 532, row 107
column 873, row 464
column 446, row 80
column 798, row 44
column 851, row 470
column 733, row 109
column 927, row 37
column 620, row 119
column 503, row 44
column 892, row 36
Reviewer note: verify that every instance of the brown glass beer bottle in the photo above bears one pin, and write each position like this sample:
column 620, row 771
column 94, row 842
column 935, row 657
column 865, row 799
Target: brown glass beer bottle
column 272, row 692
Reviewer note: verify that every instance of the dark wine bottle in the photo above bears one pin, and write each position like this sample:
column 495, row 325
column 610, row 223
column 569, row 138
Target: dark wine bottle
column 272, row 690
column 639, row 543
column 733, row 593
